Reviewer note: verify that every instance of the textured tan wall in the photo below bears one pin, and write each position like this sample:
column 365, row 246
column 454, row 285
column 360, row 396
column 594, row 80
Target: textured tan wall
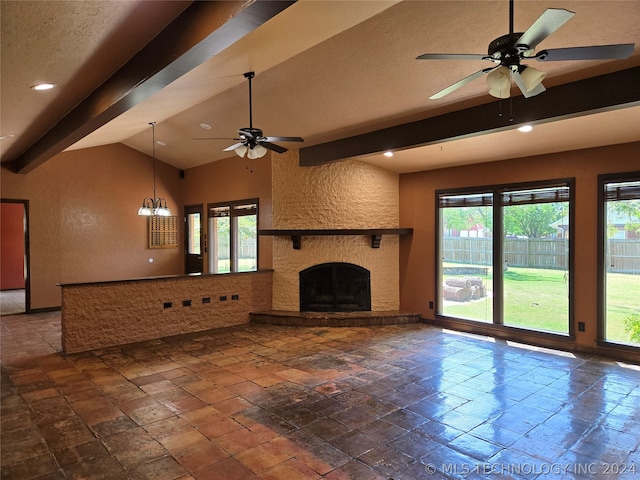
column 105, row 314
column 417, row 209
column 342, row 195
column 83, row 220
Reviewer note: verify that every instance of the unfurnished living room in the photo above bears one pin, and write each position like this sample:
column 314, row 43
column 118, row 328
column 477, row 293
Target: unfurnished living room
column 314, row 239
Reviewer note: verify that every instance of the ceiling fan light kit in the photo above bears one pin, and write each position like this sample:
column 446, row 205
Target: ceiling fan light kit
column 508, row 51
column 256, row 152
column 251, row 141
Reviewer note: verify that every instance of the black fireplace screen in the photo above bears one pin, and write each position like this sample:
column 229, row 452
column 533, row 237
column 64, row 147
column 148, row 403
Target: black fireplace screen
column 335, row 287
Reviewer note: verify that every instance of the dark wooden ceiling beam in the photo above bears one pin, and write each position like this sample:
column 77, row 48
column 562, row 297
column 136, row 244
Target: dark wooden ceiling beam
column 597, row 94
column 197, row 34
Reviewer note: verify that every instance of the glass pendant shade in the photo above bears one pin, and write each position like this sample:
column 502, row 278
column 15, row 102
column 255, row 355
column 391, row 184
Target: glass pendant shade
column 161, row 209
column 241, row 150
column 144, row 210
column 500, row 93
column 499, row 82
column 532, row 77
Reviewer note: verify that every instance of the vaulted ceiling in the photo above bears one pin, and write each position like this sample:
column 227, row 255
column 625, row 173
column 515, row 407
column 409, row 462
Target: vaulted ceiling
column 341, row 74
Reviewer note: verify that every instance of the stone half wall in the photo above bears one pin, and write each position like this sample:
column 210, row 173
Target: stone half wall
column 341, row 195
column 98, row 315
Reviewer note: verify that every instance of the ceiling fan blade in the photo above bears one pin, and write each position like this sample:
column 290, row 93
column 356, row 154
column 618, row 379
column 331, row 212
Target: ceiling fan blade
column 453, row 56
column 517, row 78
column 273, row 146
column 233, row 147
column 596, row 52
column 460, row 83
column 551, row 20
column 283, row 139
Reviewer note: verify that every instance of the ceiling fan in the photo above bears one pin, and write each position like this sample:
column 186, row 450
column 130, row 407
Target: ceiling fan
column 251, row 140
column 508, row 51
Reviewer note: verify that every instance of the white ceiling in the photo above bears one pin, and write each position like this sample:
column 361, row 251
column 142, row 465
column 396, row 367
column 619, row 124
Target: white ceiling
column 325, row 70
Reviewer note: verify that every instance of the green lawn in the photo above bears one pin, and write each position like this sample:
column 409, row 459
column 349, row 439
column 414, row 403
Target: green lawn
column 538, row 299
column 623, row 299
column 244, row 265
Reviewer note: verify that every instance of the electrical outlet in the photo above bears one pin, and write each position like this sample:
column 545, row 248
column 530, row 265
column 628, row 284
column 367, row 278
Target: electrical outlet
column 581, row 326
column 430, row 305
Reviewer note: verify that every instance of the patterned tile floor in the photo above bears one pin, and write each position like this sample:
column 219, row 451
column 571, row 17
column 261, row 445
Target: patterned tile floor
column 406, row 402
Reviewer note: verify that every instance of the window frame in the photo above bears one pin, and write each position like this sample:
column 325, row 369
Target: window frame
column 603, row 181
column 233, row 230
column 497, row 191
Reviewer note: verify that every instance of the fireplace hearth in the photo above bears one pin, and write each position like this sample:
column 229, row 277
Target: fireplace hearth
column 335, row 287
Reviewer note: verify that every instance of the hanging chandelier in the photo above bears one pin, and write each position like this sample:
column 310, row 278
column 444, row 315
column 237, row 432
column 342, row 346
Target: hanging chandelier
column 154, row 206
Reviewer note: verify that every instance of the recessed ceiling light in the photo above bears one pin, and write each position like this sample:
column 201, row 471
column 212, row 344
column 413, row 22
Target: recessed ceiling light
column 388, row 154
column 43, row 86
column 206, row 126
column 525, row 128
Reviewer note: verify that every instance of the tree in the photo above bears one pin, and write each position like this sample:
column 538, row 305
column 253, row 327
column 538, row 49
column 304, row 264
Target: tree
column 463, row 218
column 247, row 227
column 624, row 209
column 533, row 220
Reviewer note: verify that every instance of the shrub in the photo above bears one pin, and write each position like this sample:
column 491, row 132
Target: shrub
column 632, row 326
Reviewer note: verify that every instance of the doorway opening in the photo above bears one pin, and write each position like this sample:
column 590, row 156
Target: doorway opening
column 14, row 257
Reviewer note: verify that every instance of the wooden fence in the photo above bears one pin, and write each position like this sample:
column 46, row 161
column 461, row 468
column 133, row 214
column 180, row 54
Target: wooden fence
column 623, row 256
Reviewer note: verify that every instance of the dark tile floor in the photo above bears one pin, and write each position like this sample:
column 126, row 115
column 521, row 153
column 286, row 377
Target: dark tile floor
column 274, row 403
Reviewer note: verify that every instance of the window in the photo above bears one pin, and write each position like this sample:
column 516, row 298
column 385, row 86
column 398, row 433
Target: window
column 504, row 255
column 233, row 230
column 193, row 228
column 619, row 274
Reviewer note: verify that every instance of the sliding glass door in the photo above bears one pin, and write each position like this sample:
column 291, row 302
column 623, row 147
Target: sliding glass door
column 466, row 246
column 505, row 255
column 535, row 243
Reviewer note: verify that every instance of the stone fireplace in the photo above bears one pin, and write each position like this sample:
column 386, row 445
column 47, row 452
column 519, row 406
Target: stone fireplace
column 335, row 287
column 347, row 195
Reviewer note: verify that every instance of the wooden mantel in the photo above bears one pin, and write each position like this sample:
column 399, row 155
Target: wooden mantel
column 375, row 233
